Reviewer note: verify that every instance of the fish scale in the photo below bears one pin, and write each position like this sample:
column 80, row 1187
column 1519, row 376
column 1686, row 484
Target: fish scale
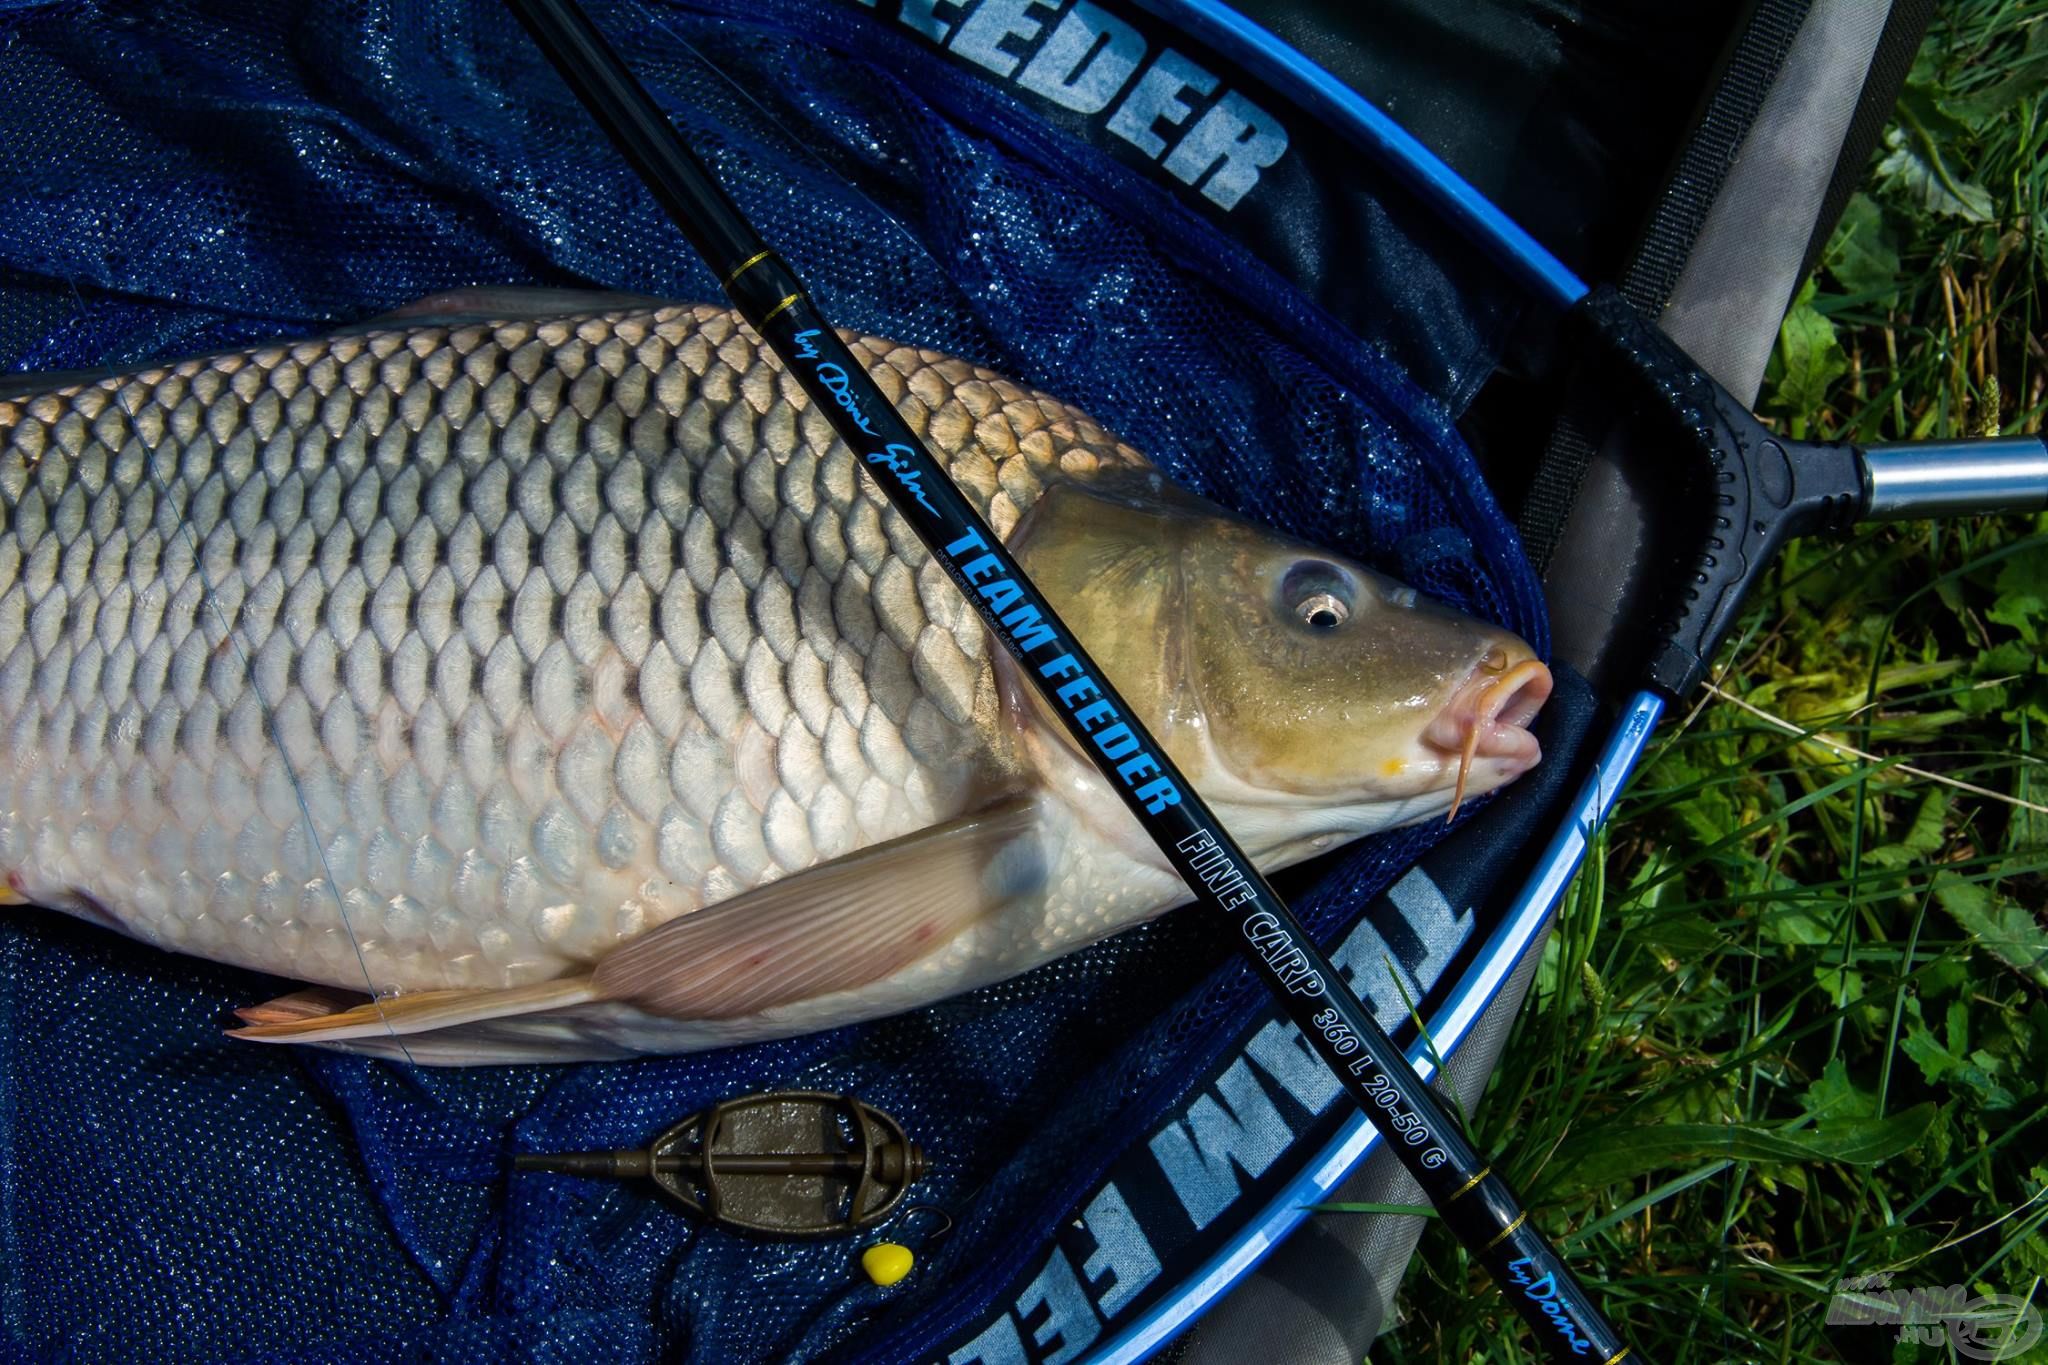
column 558, row 628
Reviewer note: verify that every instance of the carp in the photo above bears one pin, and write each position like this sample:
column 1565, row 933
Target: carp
column 546, row 671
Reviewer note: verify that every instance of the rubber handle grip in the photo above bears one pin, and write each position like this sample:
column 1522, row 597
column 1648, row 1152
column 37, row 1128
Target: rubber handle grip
column 1754, row 490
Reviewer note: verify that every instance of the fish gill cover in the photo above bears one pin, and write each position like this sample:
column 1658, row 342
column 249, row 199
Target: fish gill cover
column 185, row 177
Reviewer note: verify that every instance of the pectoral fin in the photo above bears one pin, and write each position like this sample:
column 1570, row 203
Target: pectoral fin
column 314, row 1002
column 835, row 927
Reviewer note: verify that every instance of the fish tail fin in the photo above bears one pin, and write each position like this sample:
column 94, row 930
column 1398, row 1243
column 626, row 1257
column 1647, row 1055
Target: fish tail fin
column 323, row 1015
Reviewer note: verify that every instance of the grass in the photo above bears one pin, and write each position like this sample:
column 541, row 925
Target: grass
column 1792, row 1024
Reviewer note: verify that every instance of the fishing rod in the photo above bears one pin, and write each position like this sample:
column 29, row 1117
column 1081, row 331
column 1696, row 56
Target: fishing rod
column 1476, row 1203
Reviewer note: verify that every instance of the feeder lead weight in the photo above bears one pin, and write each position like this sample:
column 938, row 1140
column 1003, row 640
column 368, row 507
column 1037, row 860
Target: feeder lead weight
column 789, row 1163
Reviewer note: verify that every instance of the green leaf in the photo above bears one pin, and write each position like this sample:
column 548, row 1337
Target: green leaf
column 2024, row 79
column 1943, row 977
column 1922, row 839
column 1980, row 1071
column 1685, row 935
column 1809, row 359
column 2008, row 658
column 1618, row 1152
column 1925, row 836
column 1948, row 1060
column 1794, row 924
column 1929, row 1053
column 1984, row 700
column 1834, row 1096
column 2014, row 659
column 1844, row 986
column 2022, row 588
column 1916, row 166
column 1860, row 255
column 2007, row 931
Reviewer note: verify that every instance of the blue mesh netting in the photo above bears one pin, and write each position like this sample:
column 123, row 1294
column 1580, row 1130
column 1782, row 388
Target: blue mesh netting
column 183, row 177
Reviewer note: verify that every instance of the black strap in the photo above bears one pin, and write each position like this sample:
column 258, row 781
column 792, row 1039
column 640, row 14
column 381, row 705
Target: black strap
column 1757, row 56
column 1904, row 27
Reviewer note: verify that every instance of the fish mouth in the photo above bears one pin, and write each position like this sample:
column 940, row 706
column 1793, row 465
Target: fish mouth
column 1488, row 718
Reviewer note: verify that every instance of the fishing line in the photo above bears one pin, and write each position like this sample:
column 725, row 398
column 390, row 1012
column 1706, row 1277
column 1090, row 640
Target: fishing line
column 1476, row 1203
column 211, row 597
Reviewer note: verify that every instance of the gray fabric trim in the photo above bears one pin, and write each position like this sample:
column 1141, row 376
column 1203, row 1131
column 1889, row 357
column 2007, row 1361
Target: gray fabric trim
column 1300, row 1304
column 1725, row 311
column 1740, row 278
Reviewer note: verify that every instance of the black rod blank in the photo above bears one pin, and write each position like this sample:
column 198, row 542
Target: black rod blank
column 1475, row 1202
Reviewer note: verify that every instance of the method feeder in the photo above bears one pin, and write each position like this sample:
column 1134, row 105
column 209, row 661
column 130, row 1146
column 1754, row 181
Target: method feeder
column 788, row 1163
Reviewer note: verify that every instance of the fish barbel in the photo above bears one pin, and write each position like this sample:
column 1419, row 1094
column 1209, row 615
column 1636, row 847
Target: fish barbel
column 562, row 682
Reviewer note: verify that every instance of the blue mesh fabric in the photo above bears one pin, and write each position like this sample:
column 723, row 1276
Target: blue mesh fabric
column 184, row 177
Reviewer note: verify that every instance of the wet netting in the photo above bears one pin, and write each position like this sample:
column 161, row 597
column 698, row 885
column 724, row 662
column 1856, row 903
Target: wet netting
column 184, row 177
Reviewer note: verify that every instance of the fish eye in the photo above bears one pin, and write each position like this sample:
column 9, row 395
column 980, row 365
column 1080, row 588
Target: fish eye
column 1318, row 593
column 1324, row 611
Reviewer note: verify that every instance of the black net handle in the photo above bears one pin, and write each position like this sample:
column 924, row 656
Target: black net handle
column 1755, row 490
